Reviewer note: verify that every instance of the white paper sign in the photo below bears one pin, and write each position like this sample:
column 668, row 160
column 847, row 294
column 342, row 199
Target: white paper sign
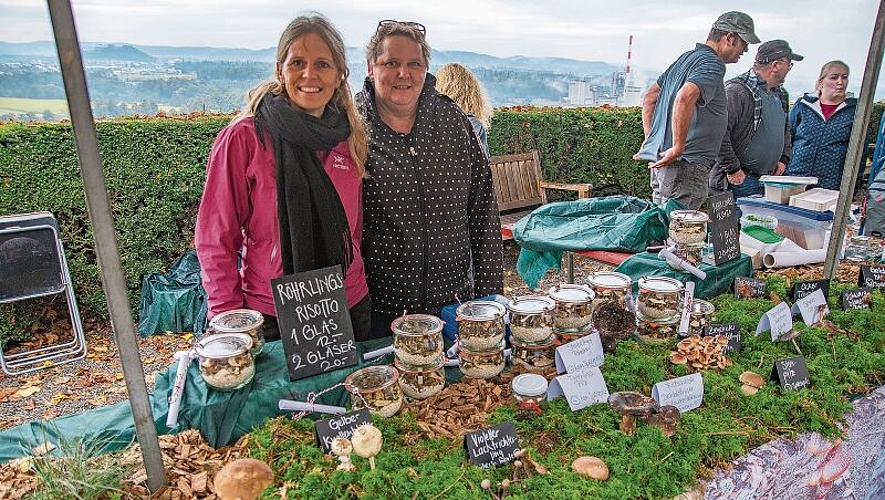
column 685, row 393
column 810, row 307
column 778, row 319
column 687, row 299
column 579, row 355
column 580, row 389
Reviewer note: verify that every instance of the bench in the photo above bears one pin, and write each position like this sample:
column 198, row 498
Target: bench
column 520, row 187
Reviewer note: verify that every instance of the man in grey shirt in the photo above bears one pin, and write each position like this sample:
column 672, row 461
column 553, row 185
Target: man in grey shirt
column 684, row 113
column 757, row 141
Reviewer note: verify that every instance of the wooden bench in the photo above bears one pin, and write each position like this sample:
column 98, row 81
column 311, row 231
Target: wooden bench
column 520, row 187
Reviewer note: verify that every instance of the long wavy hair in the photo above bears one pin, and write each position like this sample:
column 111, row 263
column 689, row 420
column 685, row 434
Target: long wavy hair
column 459, row 83
column 342, row 98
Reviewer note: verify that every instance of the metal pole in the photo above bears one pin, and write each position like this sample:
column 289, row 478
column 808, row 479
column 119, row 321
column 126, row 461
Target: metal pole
column 856, row 142
column 92, row 171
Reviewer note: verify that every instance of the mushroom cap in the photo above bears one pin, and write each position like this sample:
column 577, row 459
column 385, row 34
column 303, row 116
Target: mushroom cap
column 591, row 467
column 632, row 403
column 243, row 479
column 752, row 379
column 665, row 419
column 366, row 440
column 677, row 358
column 749, row 390
column 341, row 446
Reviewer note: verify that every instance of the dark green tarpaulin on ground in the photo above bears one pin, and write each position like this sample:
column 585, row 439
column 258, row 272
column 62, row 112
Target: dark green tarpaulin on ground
column 719, row 278
column 173, row 301
column 615, row 223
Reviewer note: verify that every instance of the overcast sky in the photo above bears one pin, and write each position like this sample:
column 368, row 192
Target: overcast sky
column 821, row 30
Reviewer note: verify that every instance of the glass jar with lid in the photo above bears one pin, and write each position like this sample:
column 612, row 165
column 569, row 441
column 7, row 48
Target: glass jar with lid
column 535, row 357
column 858, row 248
column 701, row 316
column 421, row 382
column 481, row 363
column 246, row 321
column 688, row 227
column 376, row 388
column 609, row 285
column 656, row 333
column 573, row 307
column 225, row 361
column 480, row 324
column 659, row 299
column 529, row 388
column 417, row 338
column 531, row 317
column 693, row 254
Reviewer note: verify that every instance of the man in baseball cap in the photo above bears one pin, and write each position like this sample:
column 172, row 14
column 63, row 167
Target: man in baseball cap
column 739, row 23
column 774, row 50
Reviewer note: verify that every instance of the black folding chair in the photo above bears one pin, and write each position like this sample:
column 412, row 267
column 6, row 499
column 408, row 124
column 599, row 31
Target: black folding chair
column 33, row 264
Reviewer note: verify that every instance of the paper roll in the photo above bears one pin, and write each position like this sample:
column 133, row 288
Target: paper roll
column 667, row 254
column 794, row 258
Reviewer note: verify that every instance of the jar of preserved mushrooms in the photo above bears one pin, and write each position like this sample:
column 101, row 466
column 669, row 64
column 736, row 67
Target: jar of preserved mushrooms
column 609, row 285
column 225, row 361
column 536, row 357
column 377, row 388
column 659, row 299
column 688, row 227
column 531, row 317
column 693, row 254
column 421, row 382
column 245, row 321
column 574, row 304
column 656, row 333
column 480, row 324
column 701, row 316
column 417, row 338
column 566, row 337
column 481, row 363
column 529, row 388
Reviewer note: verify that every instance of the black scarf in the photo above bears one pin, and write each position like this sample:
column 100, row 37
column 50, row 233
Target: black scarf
column 313, row 225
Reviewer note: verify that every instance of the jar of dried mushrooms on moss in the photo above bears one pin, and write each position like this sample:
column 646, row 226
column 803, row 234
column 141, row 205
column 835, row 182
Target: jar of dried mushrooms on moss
column 375, row 387
column 417, row 338
column 659, row 299
column 480, row 324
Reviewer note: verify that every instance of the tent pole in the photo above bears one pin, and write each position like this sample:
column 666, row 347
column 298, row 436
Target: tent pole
column 91, row 169
column 856, row 142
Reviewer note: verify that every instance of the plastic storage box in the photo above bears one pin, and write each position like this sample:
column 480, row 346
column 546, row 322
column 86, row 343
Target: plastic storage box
column 818, row 199
column 779, row 188
column 807, row 228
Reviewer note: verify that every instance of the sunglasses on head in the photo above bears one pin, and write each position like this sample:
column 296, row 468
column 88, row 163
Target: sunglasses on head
column 418, row 26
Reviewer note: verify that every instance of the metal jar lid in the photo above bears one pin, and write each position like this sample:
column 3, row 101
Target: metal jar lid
column 529, row 384
column 609, row 280
column 571, row 294
column 690, row 216
column 701, row 307
column 480, row 310
column 237, row 321
column 223, row 345
column 417, row 325
column 662, row 284
column 531, row 304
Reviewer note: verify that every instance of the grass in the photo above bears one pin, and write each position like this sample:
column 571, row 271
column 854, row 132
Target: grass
column 16, row 106
column 81, row 473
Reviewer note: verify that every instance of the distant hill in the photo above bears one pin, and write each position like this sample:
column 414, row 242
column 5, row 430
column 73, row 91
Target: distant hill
column 116, row 52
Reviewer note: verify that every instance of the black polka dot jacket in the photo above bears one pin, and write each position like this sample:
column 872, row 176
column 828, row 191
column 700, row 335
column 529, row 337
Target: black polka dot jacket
column 431, row 227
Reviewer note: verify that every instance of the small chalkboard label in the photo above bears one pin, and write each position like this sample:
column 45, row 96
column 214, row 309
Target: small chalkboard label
column 724, row 228
column 859, row 298
column 872, row 276
column 802, row 288
column 340, row 426
column 791, row 373
column 748, row 288
column 492, row 446
column 730, row 330
column 314, row 322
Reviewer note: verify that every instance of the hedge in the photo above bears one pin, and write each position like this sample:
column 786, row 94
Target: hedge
column 155, row 168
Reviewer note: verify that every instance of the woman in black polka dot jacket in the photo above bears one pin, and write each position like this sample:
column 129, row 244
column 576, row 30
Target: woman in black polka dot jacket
column 431, row 226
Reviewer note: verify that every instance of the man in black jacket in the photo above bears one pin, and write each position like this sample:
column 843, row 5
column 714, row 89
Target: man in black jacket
column 757, row 141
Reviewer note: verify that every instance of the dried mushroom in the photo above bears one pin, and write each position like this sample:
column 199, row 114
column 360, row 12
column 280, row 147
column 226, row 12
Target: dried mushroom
column 226, row 374
column 422, row 384
column 481, row 364
column 688, row 227
column 657, row 305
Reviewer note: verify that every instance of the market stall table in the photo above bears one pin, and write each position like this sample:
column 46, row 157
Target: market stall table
column 719, row 278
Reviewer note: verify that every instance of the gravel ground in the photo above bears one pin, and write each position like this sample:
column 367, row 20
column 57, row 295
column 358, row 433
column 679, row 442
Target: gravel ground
column 97, row 380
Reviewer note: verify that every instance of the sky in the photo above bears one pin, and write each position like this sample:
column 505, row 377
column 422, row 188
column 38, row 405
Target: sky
column 592, row 30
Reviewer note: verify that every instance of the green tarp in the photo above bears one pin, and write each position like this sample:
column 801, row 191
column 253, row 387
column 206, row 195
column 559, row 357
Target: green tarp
column 719, row 278
column 615, row 223
column 174, row 301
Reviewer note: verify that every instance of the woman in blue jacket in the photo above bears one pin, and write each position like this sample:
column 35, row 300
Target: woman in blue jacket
column 821, row 127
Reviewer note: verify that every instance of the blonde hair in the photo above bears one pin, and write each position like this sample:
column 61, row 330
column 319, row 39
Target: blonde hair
column 342, row 99
column 459, row 83
column 825, row 70
column 389, row 28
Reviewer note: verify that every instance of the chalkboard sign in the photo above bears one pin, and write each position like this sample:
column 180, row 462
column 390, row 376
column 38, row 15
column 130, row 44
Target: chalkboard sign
column 730, row 330
column 802, row 288
column 492, row 446
column 872, row 276
column 791, row 373
column 748, row 288
column 859, row 298
column 314, row 322
column 340, row 426
column 724, row 228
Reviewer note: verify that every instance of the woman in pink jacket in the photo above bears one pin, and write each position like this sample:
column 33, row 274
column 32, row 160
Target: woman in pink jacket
column 284, row 182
